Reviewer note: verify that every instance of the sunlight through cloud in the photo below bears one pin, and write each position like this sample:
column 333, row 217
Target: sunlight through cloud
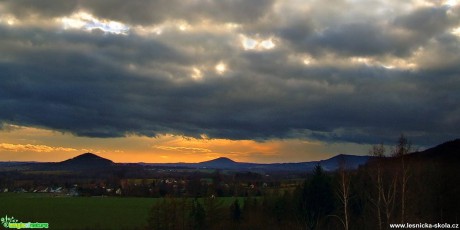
column 451, row 3
column 8, row 20
column 196, row 74
column 33, row 148
column 267, row 44
column 183, row 26
column 456, row 31
column 249, row 43
column 85, row 21
column 221, row 68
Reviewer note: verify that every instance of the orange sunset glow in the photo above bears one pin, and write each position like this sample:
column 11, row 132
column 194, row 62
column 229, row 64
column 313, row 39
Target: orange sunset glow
column 34, row 144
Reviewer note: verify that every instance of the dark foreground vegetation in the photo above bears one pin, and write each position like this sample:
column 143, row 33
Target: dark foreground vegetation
column 397, row 185
column 421, row 187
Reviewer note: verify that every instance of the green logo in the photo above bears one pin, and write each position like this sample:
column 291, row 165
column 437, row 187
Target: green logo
column 11, row 222
column 7, row 220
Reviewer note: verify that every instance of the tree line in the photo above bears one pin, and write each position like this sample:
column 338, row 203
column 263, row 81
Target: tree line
column 394, row 187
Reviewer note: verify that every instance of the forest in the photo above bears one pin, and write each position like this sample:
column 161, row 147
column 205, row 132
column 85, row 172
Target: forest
column 397, row 186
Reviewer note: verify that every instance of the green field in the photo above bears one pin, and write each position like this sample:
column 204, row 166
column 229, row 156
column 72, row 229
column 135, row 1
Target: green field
column 62, row 212
column 77, row 212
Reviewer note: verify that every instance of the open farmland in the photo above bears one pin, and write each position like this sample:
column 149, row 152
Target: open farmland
column 77, row 212
column 64, row 212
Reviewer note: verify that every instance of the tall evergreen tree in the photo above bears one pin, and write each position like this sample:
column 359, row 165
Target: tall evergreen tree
column 316, row 200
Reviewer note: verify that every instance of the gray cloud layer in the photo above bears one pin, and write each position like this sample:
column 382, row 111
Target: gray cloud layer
column 106, row 85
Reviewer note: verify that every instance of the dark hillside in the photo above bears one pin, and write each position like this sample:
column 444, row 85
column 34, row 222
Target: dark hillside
column 86, row 159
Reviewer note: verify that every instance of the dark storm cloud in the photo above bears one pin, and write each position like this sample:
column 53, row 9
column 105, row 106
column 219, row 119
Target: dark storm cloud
column 56, row 82
column 147, row 12
column 48, row 8
column 356, row 39
column 105, row 85
column 398, row 36
column 425, row 21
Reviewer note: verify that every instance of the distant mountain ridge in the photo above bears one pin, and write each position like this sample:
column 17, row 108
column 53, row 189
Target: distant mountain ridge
column 87, row 160
column 351, row 161
column 87, row 157
column 90, row 161
column 219, row 162
column 450, row 149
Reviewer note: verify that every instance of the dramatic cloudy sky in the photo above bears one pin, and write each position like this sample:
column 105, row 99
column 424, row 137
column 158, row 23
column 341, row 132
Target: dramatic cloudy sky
column 254, row 80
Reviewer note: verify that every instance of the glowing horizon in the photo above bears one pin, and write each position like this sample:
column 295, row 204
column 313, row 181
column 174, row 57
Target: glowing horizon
column 162, row 149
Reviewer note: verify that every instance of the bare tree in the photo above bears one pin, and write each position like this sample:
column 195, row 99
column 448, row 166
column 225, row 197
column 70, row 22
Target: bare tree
column 403, row 147
column 388, row 198
column 344, row 190
column 378, row 151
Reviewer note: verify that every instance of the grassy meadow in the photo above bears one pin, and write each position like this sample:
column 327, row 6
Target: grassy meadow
column 77, row 212
column 63, row 212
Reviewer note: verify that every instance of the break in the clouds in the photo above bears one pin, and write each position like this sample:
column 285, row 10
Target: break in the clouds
column 345, row 71
column 32, row 148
